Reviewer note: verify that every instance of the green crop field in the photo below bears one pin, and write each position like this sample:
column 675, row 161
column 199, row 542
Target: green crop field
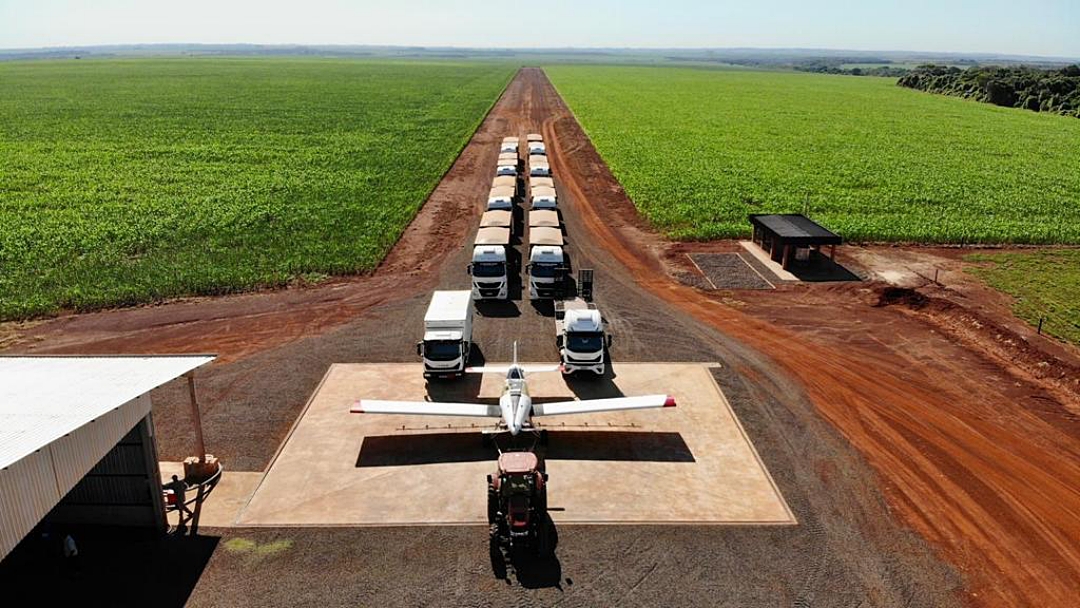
column 1045, row 285
column 135, row 180
column 698, row 150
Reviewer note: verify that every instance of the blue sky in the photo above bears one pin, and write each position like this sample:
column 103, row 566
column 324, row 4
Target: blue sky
column 1036, row 27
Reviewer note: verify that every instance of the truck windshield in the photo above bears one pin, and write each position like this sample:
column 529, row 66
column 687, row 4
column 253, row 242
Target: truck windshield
column 488, row 269
column 585, row 342
column 442, row 350
column 543, row 271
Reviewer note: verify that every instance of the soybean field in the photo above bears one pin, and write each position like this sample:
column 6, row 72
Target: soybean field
column 1045, row 285
column 128, row 181
column 697, row 150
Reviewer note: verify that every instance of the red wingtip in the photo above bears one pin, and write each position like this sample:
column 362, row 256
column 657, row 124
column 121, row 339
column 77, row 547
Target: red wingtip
column 356, row 408
column 669, row 402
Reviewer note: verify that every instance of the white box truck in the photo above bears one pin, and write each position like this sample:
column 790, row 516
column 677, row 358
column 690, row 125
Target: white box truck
column 447, row 334
column 490, row 268
column 580, row 330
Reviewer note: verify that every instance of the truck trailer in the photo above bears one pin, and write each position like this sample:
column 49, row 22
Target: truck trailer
column 447, row 334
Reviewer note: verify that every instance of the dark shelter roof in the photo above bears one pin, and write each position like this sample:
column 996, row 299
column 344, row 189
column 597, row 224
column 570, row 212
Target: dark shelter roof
column 795, row 229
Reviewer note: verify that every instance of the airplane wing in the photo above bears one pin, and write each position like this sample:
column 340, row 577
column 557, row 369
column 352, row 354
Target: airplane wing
column 503, row 369
column 426, row 408
column 588, row 406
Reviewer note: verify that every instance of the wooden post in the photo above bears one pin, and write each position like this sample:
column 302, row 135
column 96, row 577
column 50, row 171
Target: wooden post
column 200, row 445
column 832, row 252
column 1041, row 319
column 787, row 256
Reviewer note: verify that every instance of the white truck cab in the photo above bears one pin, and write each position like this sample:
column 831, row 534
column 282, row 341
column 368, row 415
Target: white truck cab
column 581, row 338
column 510, row 170
column 489, row 267
column 538, row 170
column 447, row 334
column 536, row 147
column 547, row 268
column 509, row 146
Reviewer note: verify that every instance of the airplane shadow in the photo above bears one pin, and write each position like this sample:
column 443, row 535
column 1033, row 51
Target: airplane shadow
column 585, row 385
column 598, row 445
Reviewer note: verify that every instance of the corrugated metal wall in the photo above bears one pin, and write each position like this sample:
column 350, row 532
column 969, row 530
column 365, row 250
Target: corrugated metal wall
column 32, row 486
column 27, row 490
column 123, row 488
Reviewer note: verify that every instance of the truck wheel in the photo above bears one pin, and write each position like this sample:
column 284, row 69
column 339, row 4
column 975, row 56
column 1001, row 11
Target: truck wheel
column 492, row 508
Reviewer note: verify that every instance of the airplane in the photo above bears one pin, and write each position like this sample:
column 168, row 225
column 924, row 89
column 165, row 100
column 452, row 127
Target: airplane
column 516, row 408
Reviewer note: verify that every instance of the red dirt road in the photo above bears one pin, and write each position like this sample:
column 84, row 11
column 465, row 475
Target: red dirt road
column 991, row 482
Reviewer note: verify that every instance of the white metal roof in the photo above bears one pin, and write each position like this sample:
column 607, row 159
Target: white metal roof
column 448, row 306
column 45, row 398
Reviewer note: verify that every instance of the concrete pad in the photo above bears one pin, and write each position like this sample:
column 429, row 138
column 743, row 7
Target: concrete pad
column 220, row 509
column 689, row 464
column 763, row 256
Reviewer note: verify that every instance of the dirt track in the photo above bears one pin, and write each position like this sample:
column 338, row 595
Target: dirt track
column 981, row 462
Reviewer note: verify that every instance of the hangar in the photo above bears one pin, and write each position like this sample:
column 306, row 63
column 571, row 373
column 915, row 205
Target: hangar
column 77, row 440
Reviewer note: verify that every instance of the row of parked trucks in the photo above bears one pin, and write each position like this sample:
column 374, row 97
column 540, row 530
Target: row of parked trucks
column 579, row 327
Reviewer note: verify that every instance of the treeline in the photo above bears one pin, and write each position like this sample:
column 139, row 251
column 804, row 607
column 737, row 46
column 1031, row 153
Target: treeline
column 1035, row 89
column 824, row 67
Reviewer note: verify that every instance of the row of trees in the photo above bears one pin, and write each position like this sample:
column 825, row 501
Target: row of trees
column 829, row 67
column 1056, row 90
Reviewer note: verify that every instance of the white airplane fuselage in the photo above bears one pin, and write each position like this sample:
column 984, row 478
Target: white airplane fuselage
column 515, row 402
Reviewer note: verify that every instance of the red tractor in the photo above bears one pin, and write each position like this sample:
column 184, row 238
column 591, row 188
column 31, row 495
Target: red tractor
column 517, row 505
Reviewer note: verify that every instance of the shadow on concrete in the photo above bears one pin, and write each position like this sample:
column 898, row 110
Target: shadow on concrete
column 463, row 388
column 129, row 567
column 586, row 385
column 600, row 445
column 822, row 270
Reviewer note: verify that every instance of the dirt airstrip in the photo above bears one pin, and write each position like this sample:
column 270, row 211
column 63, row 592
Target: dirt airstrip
column 926, row 467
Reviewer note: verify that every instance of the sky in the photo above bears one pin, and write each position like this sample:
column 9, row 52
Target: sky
column 1034, row 27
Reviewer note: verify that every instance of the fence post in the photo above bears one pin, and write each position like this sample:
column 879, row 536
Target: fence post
column 1040, row 324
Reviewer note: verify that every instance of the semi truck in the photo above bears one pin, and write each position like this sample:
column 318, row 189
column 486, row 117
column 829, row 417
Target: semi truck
column 547, row 263
column 580, row 330
column 498, row 219
column 543, row 197
column 501, row 198
column 447, row 334
column 509, row 158
column 537, row 169
column 536, row 147
column 510, row 144
column 490, row 268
